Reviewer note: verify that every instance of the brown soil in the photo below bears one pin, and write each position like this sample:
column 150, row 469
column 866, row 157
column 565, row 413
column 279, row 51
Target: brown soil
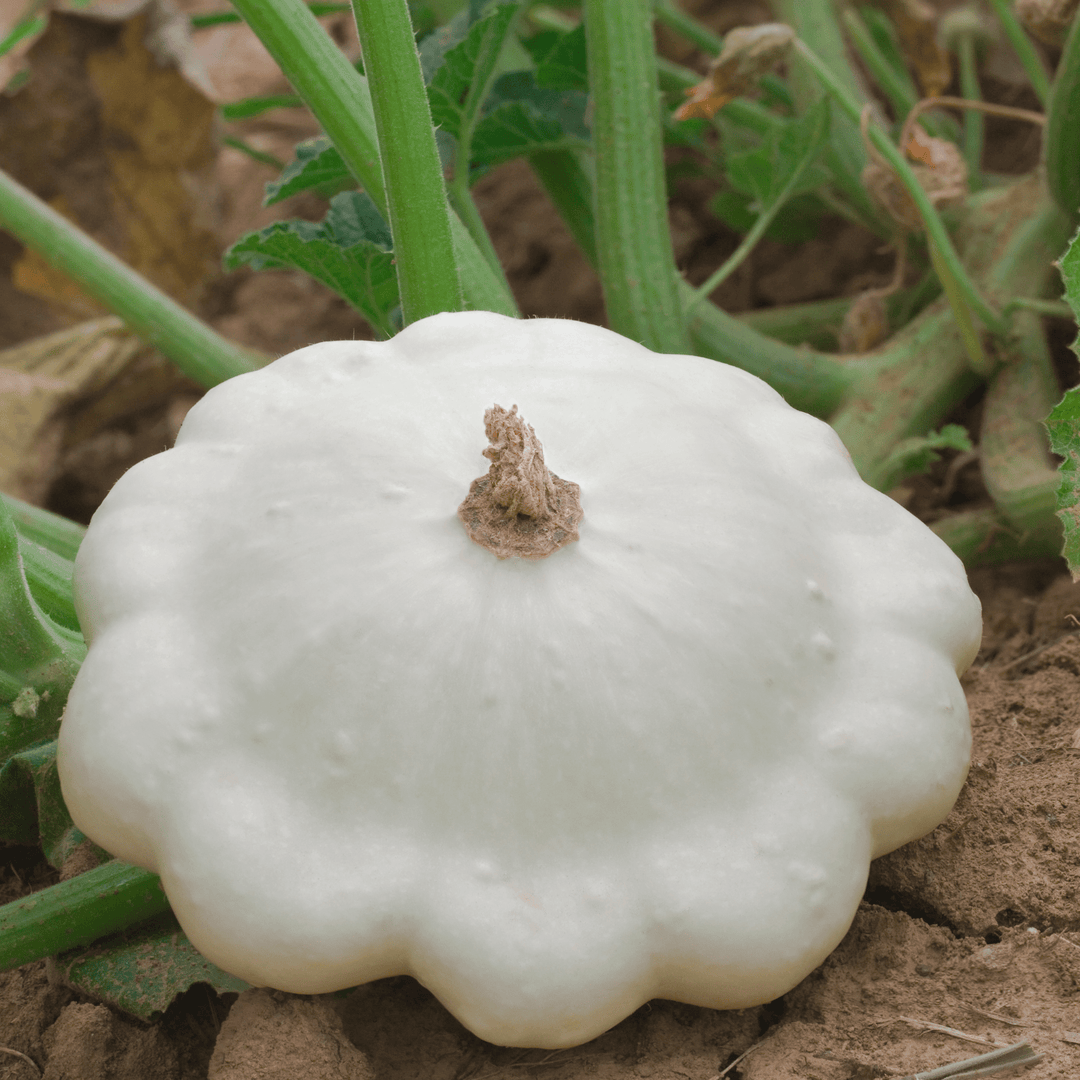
column 967, row 939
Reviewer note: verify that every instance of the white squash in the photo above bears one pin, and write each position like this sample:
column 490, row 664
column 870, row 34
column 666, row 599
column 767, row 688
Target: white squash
column 356, row 743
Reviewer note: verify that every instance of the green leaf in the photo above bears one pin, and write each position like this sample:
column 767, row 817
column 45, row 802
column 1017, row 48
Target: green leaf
column 349, row 250
column 32, row 808
column 564, row 66
column 458, row 88
column 1063, row 425
column 436, row 45
column 913, row 456
column 144, row 969
column 526, row 119
column 787, row 153
column 316, row 167
column 39, row 658
column 1070, row 273
column 256, row 106
column 797, row 221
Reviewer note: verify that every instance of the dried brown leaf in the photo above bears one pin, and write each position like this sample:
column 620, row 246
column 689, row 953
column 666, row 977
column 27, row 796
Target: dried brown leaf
column 40, row 380
column 749, row 52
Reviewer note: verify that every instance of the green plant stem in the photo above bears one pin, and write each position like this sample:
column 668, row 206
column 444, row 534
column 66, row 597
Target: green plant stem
column 1056, row 309
column 669, row 14
column 757, row 231
column 1061, row 143
column 637, row 264
column 103, row 901
column 458, row 189
column 197, row 350
column 1024, row 48
column 570, row 187
column 338, row 96
column 809, row 380
column 969, row 333
column 818, row 323
column 816, row 24
column 937, row 236
column 974, row 121
column 417, row 210
column 812, row 381
column 899, row 90
column 1014, row 450
column 907, row 387
column 985, row 537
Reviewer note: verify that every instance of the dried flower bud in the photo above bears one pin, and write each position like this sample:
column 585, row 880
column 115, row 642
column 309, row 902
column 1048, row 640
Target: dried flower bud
column 941, row 171
column 749, row 52
column 866, row 323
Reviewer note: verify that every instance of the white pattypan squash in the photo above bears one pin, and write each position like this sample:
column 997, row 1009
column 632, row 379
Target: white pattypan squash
column 649, row 754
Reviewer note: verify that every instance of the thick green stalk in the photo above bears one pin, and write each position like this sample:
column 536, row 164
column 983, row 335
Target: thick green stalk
column 1024, row 48
column 637, row 265
column 416, row 204
column 935, row 227
column 198, row 351
column 908, row 386
column 338, row 96
column 818, row 323
column 1014, row 450
column 103, row 901
column 814, row 382
column 1061, row 143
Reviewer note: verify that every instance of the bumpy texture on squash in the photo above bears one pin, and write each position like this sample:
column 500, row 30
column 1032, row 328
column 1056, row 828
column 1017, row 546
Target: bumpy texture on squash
column 354, row 743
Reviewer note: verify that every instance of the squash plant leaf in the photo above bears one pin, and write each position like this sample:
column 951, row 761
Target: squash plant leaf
column 32, row 808
column 913, row 456
column 785, row 164
column 1063, row 424
column 524, row 118
column 434, row 47
column 317, row 167
column 349, row 250
column 459, row 87
column 142, row 970
column 561, row 62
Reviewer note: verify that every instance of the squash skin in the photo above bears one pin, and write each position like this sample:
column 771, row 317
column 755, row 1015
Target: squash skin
column 657, row 763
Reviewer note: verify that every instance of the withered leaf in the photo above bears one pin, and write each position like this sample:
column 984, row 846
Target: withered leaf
column 749, row 52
